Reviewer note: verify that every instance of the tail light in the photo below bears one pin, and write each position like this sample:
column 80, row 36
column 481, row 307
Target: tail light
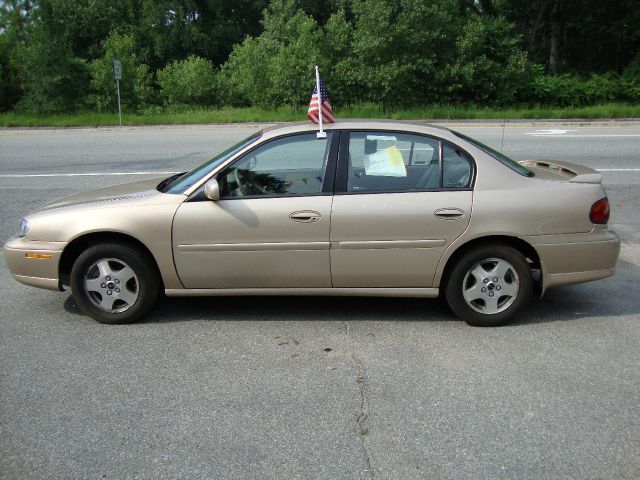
column 600, row 211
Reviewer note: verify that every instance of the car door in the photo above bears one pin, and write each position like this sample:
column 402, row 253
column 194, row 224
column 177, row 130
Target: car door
column 270, row 228
column 401, row 200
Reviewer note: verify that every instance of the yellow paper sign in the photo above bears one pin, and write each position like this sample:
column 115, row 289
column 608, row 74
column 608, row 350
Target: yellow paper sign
column 385, row 163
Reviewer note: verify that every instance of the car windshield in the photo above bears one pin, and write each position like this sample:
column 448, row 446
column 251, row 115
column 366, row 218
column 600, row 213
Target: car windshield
column 501, row 157
column 179, row 183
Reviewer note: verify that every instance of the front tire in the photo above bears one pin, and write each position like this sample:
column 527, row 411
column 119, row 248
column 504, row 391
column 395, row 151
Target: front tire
column 114, row 283
column 489, row 285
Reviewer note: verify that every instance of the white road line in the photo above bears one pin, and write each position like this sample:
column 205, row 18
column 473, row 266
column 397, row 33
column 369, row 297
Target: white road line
column 547, row 135
column 89, row 174
column 618, row 169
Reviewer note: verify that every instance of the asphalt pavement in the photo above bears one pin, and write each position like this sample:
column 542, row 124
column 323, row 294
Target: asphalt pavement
column 316, row 387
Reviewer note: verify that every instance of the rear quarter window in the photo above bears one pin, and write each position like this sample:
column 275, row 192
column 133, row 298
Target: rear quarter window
column 501, row 157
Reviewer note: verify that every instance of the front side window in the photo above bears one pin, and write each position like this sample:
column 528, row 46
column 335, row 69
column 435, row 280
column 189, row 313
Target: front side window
column 180, row 183
column 293, row 165
column 387, row 161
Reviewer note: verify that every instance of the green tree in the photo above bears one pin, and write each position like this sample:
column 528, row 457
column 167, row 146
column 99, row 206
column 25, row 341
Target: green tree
column 398, row 50
column 15, row 18
column 175, row 29
column 587, row 35
column 53, row 79
column 487, row 65
column 276, row 67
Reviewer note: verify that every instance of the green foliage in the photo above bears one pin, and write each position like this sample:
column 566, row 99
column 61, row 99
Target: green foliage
column 9, row 87
column 173, row 30
column 630, row 80
column 603, row 88
column 136, row 84
column 276, row 67
column 53, row 79
column 569, row 90
column 187, row 82
column 391, row 52
column 55, row 55
column 488, row 65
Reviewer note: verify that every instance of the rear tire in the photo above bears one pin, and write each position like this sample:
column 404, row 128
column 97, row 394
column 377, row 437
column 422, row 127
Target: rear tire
column 489, row 285
column 114, row 283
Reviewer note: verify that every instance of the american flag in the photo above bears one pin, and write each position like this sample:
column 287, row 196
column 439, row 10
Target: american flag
column 327, row 113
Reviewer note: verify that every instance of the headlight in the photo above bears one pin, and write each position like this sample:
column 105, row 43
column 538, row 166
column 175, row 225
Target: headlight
column 24, row 227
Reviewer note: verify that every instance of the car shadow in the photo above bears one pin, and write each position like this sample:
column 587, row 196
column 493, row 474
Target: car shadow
column 297, row 308
column 611, row 297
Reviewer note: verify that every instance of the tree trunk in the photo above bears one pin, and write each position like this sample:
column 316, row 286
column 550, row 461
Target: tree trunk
column 556, row 37
column 531, row 38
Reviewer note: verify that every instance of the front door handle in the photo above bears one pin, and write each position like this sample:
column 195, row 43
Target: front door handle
column 305, row 216
column 449, row 213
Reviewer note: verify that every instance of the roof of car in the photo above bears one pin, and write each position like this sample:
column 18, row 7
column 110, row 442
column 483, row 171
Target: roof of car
column 356, row 124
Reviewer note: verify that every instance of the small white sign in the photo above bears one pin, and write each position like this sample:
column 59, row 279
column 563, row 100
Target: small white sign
column 117, row 69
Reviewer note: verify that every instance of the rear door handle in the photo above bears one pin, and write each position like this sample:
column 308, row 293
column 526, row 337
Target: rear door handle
column 305, row 216
column 449, row 213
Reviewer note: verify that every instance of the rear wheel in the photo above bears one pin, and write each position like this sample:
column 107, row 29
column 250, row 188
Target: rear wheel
column 114, row 283
column 489, row 285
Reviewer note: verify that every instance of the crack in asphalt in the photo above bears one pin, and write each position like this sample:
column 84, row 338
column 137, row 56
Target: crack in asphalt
column 363, row 413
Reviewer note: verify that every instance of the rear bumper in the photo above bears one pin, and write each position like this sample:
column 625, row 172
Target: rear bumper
column 577, row 258
column 34, row 263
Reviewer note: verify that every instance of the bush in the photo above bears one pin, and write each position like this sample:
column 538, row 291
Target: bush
column 569, row 90
column 561, row 90
column 602, row 88
column 187, row 82
column 630, row 81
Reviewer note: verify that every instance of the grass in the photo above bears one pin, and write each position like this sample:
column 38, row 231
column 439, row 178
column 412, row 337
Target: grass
column 286, row 114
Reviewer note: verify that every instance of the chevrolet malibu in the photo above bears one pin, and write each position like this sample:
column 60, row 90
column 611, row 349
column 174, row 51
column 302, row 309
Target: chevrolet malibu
column 369, row 209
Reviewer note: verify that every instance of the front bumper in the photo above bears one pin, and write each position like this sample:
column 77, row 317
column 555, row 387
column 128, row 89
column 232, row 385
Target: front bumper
column 34, row 263
column 576, row 258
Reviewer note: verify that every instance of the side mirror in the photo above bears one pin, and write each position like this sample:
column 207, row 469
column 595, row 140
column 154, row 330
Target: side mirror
column 212, row 190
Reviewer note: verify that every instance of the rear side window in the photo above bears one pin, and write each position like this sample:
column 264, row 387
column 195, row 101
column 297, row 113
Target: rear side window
column 397, row 162
column 387, row 161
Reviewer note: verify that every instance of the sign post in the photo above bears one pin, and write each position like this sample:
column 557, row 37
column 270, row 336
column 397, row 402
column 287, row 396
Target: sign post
column 117, row 75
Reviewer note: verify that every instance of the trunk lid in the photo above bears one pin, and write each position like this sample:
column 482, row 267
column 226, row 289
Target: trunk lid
column 562, row 171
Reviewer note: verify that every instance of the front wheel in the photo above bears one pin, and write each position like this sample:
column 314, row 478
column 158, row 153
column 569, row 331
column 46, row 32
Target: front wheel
column 489, row 285
column 114, row 283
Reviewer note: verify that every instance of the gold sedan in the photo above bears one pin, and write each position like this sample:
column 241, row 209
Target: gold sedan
column 372, row 209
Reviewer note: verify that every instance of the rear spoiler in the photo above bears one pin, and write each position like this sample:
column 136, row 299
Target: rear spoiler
column 570, row 171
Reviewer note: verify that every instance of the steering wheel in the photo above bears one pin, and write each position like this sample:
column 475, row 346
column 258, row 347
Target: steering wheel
column 242, row 181
column 236, row 177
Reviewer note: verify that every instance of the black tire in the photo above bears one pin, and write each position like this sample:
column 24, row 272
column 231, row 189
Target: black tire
column 99, row 278
column 476, row 298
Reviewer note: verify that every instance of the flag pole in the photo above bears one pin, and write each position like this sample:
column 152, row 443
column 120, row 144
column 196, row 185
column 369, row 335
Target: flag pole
column 321, row 133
